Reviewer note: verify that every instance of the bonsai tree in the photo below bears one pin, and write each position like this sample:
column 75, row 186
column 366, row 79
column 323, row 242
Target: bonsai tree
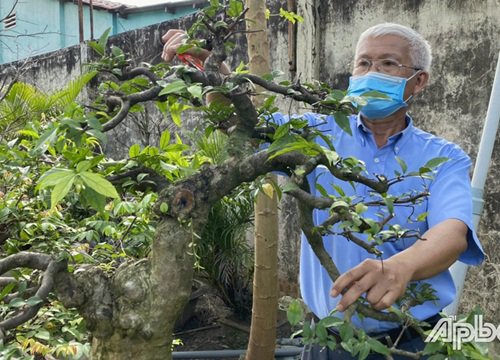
column 115, row 241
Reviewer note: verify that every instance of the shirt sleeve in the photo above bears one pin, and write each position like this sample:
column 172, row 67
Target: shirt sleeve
column 450, row 198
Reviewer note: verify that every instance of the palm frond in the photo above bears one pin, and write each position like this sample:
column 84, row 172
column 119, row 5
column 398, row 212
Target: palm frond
column 68, row 95
column 213, row 146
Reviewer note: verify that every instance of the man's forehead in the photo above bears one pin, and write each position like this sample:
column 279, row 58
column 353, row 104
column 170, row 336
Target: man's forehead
column 383, row 46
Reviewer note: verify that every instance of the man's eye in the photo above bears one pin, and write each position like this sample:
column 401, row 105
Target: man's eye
column 389, row 63
column 363, row 63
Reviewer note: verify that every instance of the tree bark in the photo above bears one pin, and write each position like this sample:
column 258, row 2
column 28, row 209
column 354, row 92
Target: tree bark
column 262, row 342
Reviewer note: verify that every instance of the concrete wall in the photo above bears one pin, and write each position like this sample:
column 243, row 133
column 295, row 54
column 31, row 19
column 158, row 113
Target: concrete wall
column 54, row 24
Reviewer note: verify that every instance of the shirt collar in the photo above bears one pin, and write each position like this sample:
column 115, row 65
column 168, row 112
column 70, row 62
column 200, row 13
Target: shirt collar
column 396, row 141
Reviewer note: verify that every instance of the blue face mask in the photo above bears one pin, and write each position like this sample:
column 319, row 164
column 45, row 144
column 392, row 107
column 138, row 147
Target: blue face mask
column 391, row 86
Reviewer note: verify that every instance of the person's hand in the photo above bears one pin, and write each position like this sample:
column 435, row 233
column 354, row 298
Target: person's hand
column 173, row 39
column 383, row 282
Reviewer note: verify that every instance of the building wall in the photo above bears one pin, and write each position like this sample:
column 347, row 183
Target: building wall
column 47, row 25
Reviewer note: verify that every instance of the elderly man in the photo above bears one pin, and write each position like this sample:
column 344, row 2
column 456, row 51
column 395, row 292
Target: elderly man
column 393, row 60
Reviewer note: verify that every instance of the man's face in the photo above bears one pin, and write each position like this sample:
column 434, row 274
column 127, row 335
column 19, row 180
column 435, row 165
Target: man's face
column 383, row 49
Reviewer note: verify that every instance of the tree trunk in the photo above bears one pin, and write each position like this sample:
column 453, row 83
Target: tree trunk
column 132, row 315
column 262, row 342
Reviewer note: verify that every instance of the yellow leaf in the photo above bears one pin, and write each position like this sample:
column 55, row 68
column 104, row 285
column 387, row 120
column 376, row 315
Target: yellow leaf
column 268, row 190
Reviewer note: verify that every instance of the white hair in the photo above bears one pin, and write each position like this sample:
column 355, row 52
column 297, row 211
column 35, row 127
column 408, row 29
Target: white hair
column 420, row 50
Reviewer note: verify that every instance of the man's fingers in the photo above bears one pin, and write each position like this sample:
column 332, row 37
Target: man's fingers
column 352, row 294
column 171, row 33
column 386, row 301
column 346, row 280
column 173, row 42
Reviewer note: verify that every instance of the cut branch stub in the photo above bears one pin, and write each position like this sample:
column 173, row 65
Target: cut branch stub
column 182, row 203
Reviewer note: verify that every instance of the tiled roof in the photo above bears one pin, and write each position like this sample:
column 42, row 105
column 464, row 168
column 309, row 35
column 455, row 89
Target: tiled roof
column 105, row 5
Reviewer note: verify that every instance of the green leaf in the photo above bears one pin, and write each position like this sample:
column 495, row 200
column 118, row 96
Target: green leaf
column 34, row 300
column 438, row 357
column 42, row 334
column 378, row 347
column 364, row 351
column 290, row 16
column 433, row 347
column 321, row 190
column 389, row 202
column 93, row 199
column 360, row 208
column 422, row 216
column 99, row 184
column 7, row 289
column 345, row 332
column 52, row 177
column 174, row 87
column 281, row 131
column 402, row 164
column 47, row 137
column 17, row 303
column 332, row 156
column 195, row 90
column 134, row 151
column 295, row 312
column 342, row 120
column 331, row 321
column 117, row 52
column 235, row 8
column 100, row 46
column 61, row 189
column 432, row 163
column 164, row 140
column 83, row 166
column 164, row 207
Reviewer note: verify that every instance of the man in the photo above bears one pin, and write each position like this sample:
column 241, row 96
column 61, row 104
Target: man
column 394, row 60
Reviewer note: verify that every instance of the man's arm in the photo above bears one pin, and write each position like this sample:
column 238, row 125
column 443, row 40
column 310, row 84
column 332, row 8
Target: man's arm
column 385, row 281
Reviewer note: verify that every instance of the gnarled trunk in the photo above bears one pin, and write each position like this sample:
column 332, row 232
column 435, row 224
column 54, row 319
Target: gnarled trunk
column 132, row 314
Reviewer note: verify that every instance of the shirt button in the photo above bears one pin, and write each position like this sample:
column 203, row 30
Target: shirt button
column 376, row 160
column 396, row 148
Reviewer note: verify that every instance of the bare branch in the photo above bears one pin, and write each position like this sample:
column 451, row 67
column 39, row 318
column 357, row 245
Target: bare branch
column 405, row 201
column 363, row 244
column 11, row 11
column 317, row 202
column 6, row 280
column 160, row 181
column 25, row 259
column 139, row 71
column 279, row 89
column 46, row 286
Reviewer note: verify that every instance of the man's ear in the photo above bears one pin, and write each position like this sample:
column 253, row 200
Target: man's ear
column 421, row 81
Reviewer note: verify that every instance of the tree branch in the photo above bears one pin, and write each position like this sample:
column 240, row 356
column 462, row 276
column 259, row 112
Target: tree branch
column 160, row 181
column 52, row 268
column 279, row 89
column 25, row 259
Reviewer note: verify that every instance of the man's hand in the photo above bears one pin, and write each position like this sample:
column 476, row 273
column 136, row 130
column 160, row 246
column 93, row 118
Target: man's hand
column 383, row 282
column 173, row 39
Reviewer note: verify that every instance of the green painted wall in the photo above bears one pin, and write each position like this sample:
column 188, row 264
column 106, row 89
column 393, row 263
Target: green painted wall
column 47, row 25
